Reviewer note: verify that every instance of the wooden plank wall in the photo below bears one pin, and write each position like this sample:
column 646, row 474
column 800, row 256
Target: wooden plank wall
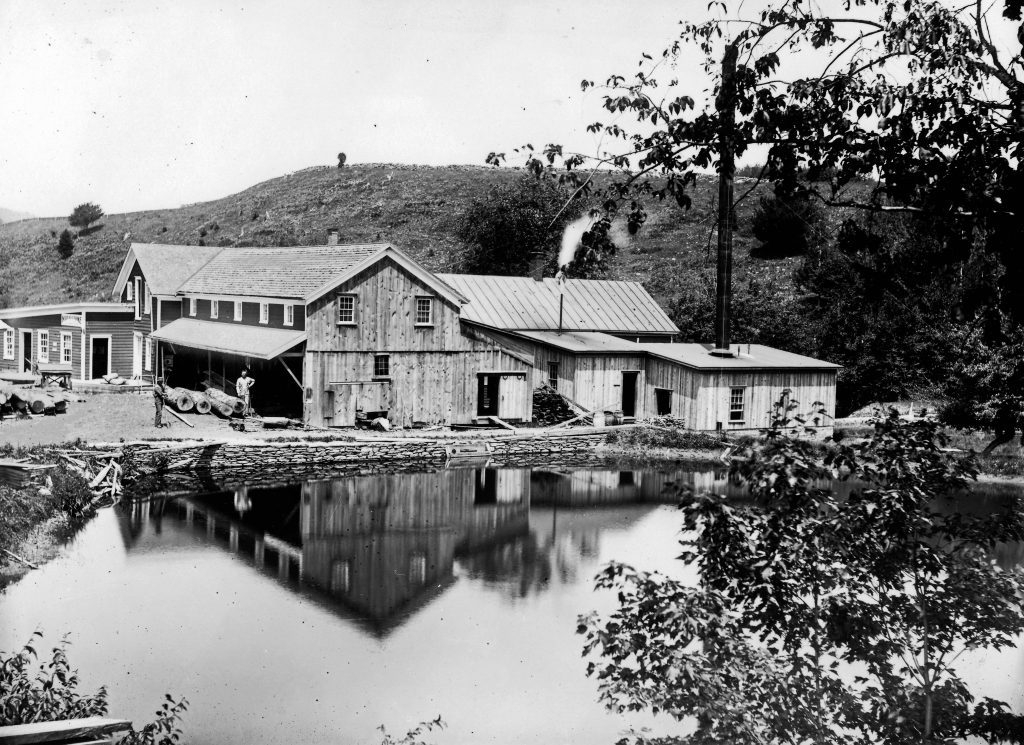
column 120, row 331
column 682, row 381
column 250, row 313
column 763, row 388
column 598, row 381
column 431, row 387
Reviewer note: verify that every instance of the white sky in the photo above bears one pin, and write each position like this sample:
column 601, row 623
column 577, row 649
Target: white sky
column 140, row 104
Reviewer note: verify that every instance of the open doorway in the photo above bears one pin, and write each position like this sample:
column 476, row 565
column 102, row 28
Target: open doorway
column 663, row 400
column 629, row 393
column 26, row 352
column 99, row 354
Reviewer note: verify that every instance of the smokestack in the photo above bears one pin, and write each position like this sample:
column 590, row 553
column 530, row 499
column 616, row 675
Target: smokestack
column 332, row 236
column 725, row 103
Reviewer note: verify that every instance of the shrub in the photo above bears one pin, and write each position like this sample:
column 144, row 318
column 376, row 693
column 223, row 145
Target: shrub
column 71, row 493
column 66, row 245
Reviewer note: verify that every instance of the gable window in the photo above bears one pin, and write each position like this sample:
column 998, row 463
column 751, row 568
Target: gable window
column 289, row 315
column 138, row 298
column 128, row 294
column 381, row 365
column 9, row 344
column 192, row 306
column 147, row 359
column 264, row 312
column 149, row 301
column 238, row 310
column 736, row 411
column 214, row 308
column 553, row 375
column 65, row 347
column 424, row 311
column 347, row 309
column 44, row 347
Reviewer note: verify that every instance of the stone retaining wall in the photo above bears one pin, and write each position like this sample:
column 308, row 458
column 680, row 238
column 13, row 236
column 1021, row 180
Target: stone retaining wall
column 242, row 459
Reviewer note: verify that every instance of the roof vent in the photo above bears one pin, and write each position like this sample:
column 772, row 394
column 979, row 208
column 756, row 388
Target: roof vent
column 726, row 352
column 332, row 236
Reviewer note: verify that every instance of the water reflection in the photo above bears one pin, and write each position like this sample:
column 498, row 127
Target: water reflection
column 378, row 547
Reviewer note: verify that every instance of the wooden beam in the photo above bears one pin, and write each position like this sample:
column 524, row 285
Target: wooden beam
column 61, row 731
column 169, row 410
column 290, row 373
column 501, row 423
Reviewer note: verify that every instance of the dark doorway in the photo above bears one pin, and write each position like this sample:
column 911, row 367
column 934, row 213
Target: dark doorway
column 100, row 365
column 26, row 351
column 663, row 399
column 487, row 395
column 629, row 393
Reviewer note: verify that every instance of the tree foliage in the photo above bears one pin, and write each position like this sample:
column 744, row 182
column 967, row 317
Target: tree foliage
column 65, row 245
column 786, row 226
column 818, row 618
column 515, row 226
column 85, row 215
column 36, row 691
column 915, row 101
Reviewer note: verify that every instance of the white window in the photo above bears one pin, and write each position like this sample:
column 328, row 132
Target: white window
column 9, row 344
column 238, row 310
column 264, row 312
column 289, row 315
column 381, row 365
column 214, row 308
column 192, row 306
column 424, row 311
column 129, row 295
column 736, row 410
column 44, row 347
column 149, row 301
column 138, row 298
column 65, row 347
column 347, row 309
column 147, row 360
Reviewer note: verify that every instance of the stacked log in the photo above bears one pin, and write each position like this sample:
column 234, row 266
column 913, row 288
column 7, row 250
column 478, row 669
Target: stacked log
column 202, row 403
column 33, row 400
column 180, row 398
column 218, row 407
column 236, row 404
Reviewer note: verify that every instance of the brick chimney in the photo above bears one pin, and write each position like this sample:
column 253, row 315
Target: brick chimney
column 332, row 236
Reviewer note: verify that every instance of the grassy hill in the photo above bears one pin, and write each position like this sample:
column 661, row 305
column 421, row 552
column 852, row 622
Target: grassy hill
column 414, row 207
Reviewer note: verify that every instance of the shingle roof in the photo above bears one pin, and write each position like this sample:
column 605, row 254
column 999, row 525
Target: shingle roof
column 165, row 266
column 522, row 303
column 759, row 357
column 288, row 272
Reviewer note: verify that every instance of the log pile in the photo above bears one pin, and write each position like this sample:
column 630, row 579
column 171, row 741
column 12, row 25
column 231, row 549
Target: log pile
column 550, row 407
column 181, row 399
column 236, row 404
column 26, row 401
column 102, row 469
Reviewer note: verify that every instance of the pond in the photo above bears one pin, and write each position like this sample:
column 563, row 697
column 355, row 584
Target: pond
column 315, row 612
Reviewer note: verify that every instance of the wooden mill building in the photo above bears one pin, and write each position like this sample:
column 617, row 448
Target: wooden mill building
column 336, row 333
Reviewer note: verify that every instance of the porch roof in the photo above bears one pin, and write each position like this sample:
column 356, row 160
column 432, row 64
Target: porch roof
column 247, row 341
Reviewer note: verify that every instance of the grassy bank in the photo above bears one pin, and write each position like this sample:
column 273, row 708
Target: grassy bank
column 37, row 519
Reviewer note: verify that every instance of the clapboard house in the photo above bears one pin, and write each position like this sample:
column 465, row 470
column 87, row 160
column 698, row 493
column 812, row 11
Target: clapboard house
column 83, row 340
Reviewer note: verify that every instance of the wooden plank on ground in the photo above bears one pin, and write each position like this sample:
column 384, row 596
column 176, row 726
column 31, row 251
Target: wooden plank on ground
column 169, row 410
column 61, row 731
column 501, row 423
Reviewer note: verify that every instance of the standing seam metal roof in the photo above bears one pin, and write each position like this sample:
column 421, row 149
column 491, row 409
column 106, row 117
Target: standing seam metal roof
column 589, row 305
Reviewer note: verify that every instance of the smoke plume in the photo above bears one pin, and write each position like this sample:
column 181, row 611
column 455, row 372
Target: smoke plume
column 572, row 236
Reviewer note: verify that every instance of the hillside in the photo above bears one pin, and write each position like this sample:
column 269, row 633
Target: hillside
column 7, row 215
column 413, row 207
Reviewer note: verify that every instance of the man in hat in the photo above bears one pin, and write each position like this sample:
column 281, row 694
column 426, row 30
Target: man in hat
column 242, row 387
column 158, row 402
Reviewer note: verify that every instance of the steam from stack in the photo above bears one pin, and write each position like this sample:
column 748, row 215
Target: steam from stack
column 572, row 236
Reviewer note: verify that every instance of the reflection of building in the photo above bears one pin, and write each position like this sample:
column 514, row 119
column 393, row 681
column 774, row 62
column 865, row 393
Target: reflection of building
column 382, row 544
column 592, row 488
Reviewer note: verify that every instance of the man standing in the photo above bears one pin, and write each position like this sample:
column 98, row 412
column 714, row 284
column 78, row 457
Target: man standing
column 158, row 402
column 242, row 387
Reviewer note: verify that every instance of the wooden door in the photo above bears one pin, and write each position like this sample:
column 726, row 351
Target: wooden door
column 351, row 398
column 512, row 392
column 629, row 393
column 488, row 386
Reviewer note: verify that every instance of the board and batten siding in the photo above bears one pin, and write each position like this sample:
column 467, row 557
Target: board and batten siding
column 682, row 381
column 762, row 389
column 422, row 387
column 433, row 369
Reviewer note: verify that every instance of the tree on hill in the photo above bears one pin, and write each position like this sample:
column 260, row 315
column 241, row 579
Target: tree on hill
column 786, row 225
column 65, row 245
column 85, row 215
column 514, row 226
